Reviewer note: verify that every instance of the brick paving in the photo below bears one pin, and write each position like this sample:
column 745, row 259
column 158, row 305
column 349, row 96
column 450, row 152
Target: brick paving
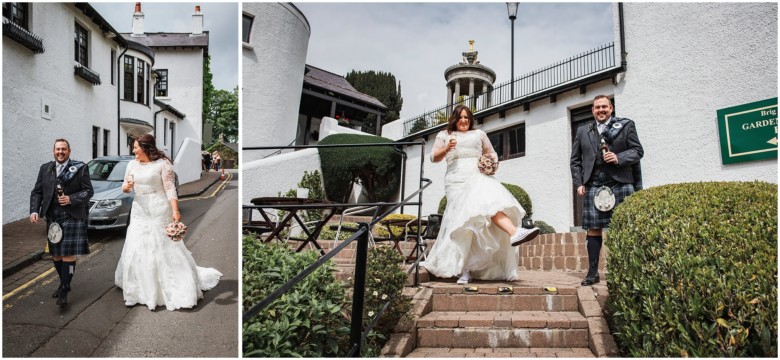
column 23, row 242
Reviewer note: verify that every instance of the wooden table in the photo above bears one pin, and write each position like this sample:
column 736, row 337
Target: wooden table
column 293, row 206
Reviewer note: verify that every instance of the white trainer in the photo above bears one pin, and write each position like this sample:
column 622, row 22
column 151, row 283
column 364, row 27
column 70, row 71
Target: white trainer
column 523, row 235
column 465, row 278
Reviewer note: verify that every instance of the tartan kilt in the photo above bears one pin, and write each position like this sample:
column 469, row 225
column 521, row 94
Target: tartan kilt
column 74, row 235
column 593, row 218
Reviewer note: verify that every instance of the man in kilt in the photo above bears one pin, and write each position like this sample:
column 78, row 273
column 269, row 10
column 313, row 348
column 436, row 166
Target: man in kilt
column 605, row 153
column 69, row 208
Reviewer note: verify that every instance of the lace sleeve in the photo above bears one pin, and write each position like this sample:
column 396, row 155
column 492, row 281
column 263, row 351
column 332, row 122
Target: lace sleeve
column 439, row 143
column 487, row 147
column 169, row 180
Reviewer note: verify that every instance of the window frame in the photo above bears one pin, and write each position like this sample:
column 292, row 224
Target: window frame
column 161, row 89
column 81, row 44
column 128, row 85
column 505, row 142
column 140, row 65
column 106, row 136
column 11, row 10
column 246, row 32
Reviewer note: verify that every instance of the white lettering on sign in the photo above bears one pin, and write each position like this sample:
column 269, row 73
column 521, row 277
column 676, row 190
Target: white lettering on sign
column 761, row 123
column 772, row 112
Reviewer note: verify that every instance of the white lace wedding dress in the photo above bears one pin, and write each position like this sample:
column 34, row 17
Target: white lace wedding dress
column 468, row 240
column 153, row 269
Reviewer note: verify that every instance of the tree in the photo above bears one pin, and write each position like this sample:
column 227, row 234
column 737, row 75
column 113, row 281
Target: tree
column 223, row 114
column 208, row 89
column 381, row 85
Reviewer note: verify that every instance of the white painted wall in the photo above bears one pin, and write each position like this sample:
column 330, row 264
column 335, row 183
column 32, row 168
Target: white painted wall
column 76, row 105
column 182, row 164
column 687, row 60
column 273, row 65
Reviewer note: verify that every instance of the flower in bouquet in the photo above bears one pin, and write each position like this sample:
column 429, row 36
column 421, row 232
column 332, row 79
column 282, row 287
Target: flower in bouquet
column 176, row 230
column 487, row 165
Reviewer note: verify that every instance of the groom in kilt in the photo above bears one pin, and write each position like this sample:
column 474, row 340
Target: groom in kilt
column 604, row 156
column 61, row 194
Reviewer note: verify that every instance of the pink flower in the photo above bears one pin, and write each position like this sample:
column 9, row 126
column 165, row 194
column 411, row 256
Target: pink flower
column 176, row 230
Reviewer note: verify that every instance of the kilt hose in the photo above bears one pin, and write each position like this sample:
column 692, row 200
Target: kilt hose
column 74, row 233
column 593, row 218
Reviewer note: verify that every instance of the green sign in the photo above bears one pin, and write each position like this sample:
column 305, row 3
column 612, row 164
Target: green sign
column 748, row 132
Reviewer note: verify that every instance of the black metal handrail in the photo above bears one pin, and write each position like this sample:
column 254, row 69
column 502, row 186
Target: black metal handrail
column 357, row 333
column 565, row 71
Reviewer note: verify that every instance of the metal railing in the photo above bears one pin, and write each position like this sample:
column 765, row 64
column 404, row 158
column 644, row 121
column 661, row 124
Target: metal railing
column 537, row 81
column 357, row 333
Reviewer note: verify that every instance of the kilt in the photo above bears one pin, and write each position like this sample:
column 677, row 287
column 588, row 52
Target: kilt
column 593, row 218
column 74, row 234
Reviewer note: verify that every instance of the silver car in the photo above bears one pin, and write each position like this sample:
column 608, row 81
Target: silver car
column 110, row 207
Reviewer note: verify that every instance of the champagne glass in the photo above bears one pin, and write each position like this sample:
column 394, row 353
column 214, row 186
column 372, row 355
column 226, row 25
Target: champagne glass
column 130, row 180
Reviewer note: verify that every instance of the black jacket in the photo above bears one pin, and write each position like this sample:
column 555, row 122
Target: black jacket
column 75, row 183
column 625, row 145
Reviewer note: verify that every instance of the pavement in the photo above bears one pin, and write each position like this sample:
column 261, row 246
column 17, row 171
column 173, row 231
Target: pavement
column 23, row 243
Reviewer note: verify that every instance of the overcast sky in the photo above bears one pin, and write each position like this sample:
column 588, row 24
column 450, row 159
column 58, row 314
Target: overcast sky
column 219, row 19
column 416, row 42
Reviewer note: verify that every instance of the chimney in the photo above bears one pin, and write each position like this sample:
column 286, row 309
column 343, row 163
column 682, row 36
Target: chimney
column 138, row 21
column 197, row 21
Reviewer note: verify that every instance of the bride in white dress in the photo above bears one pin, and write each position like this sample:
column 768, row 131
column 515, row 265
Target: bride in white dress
column 153, row 269
column 478, row 229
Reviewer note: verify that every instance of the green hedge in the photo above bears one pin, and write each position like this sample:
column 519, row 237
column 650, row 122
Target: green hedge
column 308, row 321
column 544, row 228
column 693, row 271
column 518, row 192
column 377, row 168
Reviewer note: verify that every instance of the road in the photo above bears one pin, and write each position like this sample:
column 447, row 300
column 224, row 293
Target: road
column 96, row 323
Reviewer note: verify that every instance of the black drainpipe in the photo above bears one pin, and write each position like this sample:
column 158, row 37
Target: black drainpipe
column 118, row 100
column 623, row 62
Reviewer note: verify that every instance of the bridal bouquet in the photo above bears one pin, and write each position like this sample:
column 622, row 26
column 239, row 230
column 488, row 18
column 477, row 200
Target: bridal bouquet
column 487, row 165
column 176, row 230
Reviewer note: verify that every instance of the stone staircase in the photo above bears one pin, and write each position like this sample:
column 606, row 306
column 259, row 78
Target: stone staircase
column 497, row 320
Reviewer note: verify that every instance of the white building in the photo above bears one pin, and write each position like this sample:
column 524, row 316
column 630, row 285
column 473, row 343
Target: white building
column 683, row 63
column 177, row 118
column 670, row 68
column 275, row 40
column 67, row 73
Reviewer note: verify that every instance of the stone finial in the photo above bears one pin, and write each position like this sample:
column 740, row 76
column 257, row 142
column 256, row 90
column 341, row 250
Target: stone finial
column 471, row 45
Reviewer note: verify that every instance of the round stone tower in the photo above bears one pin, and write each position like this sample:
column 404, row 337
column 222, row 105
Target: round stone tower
column 469, row 75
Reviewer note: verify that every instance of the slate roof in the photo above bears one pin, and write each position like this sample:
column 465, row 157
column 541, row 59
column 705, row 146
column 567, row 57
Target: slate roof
column 337, row 84
column 170, row 39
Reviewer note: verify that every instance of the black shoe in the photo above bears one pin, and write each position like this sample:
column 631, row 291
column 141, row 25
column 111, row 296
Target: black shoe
column 62, row 300
column 57, row 292
column 590, row 279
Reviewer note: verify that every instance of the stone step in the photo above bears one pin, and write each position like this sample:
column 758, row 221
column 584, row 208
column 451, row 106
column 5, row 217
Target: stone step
column 477, row 297
column 504, row 319
column 475, row 337
column 501, row 352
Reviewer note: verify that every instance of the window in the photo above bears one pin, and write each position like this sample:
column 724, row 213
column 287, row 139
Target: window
column 82, row 45
column 140, row 82
column 147, row 82
column 246, row 27
column 106, row 134
column 113, row 66
column 509, row 143
column 95, row 138
column 129, row 78
column 17, row 13
column 162, row 82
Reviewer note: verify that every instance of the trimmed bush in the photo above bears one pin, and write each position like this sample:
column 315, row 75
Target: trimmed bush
column 693, row 271
column 307, row 321
column 377, row 169
column 380, row 230
column 544, row 228
column 518, row 192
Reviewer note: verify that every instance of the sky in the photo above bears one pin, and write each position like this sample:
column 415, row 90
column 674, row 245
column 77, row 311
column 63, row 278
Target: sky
column 219, row 19
column 416, row 42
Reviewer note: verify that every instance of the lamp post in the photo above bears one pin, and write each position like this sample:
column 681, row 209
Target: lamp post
column 511, row 8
